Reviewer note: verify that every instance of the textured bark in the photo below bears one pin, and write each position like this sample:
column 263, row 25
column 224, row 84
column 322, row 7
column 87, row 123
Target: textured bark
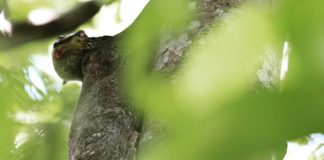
column 173, row 48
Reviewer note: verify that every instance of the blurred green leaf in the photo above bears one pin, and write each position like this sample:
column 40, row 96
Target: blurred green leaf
column 43, row 141
column 19, row 9
column 1, row 5
column 223, row 65
column 303, row 22
column 219, row 71
column 107, row 2
column 36, row 118
column 156, row 20
column 302, row 140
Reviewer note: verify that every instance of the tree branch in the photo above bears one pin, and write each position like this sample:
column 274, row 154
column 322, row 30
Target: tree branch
column 25, row 32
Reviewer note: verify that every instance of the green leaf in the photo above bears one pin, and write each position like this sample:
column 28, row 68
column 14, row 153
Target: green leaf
column 303, row 22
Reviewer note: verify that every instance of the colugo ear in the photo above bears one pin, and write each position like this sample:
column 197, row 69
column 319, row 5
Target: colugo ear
column 81, row 33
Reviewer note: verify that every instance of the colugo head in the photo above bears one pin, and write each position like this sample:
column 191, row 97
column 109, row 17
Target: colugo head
column 67, row 55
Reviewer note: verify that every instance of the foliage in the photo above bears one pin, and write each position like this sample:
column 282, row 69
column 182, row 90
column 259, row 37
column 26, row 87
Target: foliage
column 20, row 9
column 36, row 112
column 210, row 108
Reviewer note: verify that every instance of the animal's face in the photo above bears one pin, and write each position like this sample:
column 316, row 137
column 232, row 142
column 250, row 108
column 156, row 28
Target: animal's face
column 64, row 44
column 67, row 55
